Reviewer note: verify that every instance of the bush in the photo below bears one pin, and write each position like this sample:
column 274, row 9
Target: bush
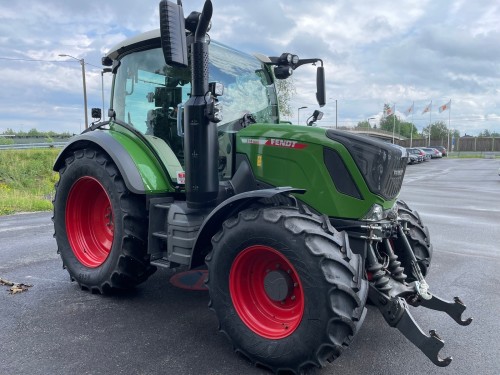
column 26, row 180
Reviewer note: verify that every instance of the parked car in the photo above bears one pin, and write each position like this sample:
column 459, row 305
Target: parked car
column 442, row 150
column 427, row 154
column 413, row 158
column 419, row 155
column 432, row 152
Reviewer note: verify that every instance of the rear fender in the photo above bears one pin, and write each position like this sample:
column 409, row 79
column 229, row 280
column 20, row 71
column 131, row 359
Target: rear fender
column 226, row 209
column 133, row 177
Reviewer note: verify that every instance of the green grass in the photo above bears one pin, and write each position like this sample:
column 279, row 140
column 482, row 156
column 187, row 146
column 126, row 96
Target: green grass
column 27, row 180
column 474, row 154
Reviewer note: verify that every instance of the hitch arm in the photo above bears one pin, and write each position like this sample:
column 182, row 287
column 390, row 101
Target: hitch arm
column 453, row 309
column 395, row 312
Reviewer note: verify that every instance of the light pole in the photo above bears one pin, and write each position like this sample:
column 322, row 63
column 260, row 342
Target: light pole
column 298, row 114
column 82, row 63
column 336, row 113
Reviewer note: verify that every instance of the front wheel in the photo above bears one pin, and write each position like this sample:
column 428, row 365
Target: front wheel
column 100, row 227
column 418, row 237
column 286, row 288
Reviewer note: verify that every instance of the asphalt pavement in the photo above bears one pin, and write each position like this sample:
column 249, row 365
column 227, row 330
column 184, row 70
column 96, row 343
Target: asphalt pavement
column 55, row 328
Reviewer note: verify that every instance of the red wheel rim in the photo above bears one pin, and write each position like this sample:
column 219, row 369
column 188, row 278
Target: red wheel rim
column 89, row 222
column 265, row 316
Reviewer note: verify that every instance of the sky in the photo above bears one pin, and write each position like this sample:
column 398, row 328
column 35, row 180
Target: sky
column 399, row 53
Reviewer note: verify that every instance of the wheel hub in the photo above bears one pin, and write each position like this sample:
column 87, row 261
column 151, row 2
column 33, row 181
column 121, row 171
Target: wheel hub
column 266, row 292
column 278, row 285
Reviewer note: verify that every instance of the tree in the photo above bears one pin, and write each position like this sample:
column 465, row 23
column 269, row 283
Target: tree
column 393, row 123
column 487, row 133
column 439, row 131
column 285, row 89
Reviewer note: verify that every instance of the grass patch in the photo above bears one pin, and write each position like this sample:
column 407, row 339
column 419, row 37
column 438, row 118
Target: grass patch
column 27, row 180
column 474, row 155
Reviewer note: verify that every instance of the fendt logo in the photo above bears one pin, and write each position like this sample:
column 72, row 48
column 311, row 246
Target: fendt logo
column 276, row 142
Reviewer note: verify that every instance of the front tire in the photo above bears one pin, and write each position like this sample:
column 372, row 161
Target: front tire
column 100, row 227
column 286, row 288
column 418, row 237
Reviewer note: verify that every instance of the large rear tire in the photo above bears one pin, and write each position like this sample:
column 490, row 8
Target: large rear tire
column 100, row 227
column 418, row 237
column 286, row 288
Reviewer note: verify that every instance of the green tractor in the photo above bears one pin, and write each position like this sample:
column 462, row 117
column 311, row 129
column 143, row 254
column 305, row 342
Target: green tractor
column 297, row 226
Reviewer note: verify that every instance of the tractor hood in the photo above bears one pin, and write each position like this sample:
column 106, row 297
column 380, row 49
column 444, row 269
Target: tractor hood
column 382, row 164
column 343, row 174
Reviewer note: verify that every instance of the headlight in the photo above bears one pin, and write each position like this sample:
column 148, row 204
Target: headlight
column 377, row 213
column 374, row 214
column 283, row 71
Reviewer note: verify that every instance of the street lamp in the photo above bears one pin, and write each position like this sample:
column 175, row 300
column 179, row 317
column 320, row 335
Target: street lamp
column 82, row 63
column 298, row 114
column 336, row 113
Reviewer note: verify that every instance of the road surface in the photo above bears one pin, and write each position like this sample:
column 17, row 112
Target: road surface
column 55, row 328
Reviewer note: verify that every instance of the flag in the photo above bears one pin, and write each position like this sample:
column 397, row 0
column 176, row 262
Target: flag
column 389, row 110
column 409, row 110
column 428, row 108
column 445, row 106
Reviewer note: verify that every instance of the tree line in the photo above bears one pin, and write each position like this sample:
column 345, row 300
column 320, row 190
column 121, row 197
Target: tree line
column 438, row 129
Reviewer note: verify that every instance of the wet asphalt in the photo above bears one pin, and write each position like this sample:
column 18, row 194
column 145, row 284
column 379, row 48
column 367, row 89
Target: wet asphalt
column 55, row 328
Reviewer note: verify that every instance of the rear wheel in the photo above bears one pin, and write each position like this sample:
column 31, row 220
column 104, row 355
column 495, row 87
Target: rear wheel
column 418, row 237
column 100, row 226
column 286, row 288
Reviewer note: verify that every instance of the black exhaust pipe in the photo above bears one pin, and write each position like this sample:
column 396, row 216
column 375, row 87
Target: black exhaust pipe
column 201, row 147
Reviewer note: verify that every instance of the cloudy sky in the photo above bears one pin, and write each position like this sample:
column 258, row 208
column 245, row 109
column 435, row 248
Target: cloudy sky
column 410, row 51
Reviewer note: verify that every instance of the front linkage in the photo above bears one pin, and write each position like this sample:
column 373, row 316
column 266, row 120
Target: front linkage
column 391, row 293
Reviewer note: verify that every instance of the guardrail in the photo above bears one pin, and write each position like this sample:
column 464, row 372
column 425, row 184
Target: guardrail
column 25, row 146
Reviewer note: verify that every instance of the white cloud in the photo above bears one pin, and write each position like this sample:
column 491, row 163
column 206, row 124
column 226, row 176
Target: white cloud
column 374, row 53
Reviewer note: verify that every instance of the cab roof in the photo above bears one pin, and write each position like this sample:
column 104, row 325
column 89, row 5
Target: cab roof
column 138, row 41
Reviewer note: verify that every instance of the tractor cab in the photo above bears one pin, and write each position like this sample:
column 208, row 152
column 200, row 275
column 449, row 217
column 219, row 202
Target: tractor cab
column 149, row 95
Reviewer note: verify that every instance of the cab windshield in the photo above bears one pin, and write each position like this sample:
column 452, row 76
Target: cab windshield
column 148, row 93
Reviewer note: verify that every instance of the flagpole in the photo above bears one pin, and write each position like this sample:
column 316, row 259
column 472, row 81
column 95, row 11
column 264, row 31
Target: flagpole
column 449, row 125
column 411, row 131
column 394, row 122
column 430, row 126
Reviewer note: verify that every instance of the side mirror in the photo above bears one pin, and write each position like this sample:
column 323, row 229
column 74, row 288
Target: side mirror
column 173, row 33
column 320, row 86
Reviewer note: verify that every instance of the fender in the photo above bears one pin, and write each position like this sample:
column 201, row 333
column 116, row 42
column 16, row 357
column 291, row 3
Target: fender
column 135, row 181
column 226, row 209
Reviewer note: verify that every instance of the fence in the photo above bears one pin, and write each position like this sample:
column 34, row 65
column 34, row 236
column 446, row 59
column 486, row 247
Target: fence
column 17, row 146
column 470, row 144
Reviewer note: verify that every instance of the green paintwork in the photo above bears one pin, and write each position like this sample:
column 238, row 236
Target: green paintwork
column 153, row 176
column 305, row 168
